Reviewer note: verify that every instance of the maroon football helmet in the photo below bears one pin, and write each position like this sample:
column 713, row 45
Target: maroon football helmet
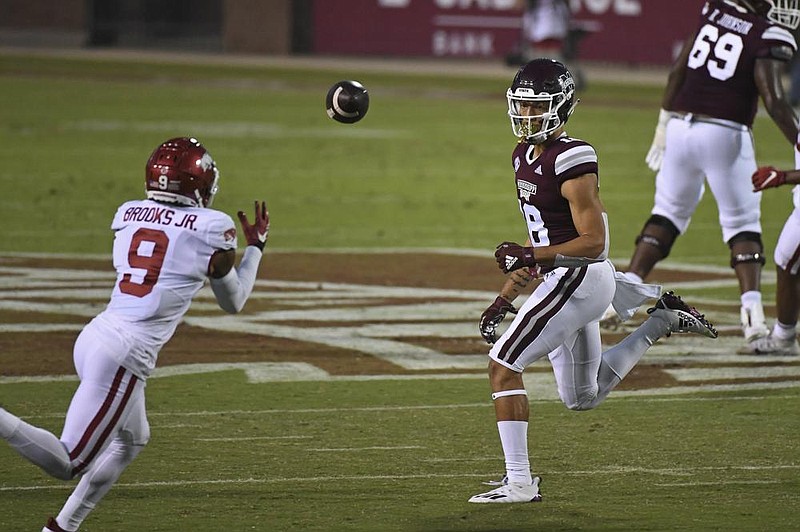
column 181, row 171
column 547, row 85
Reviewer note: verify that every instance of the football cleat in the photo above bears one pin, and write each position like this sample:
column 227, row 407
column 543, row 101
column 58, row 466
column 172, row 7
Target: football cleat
column 681, row 317
column 510, row 492
column 52, row 526
column 754, row 324
column 771, row 345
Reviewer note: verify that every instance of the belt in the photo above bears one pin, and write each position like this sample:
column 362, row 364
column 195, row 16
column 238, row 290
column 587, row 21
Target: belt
column 692, row 117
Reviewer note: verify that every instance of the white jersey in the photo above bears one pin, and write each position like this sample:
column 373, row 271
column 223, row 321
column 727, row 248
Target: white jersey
column 161, row 255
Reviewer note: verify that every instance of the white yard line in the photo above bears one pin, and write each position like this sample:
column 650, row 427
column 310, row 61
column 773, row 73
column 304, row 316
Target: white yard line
column 411, row 408
column 253, row 438
column 359, row 449
column 620, row 470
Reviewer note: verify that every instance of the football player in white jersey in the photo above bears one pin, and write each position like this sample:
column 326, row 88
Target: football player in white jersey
column 782, row 340
column 165, row 247
column 736, row 56
column 558, row 193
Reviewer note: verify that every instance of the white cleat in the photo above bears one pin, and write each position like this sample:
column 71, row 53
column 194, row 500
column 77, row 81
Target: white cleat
column 511, row 492
column 770, row 345
column 681, row 317
column 754, row 325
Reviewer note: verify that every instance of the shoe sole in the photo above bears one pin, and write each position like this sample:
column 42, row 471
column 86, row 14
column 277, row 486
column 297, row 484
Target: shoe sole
column 688, row 319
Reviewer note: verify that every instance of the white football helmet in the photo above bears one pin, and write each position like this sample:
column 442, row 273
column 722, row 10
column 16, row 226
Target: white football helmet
column 783, row 12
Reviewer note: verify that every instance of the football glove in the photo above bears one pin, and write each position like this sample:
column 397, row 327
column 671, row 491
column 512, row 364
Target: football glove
column 492, row 317
column 656, row 153
column 511, row 256
column 768, row 177
column 257, row 233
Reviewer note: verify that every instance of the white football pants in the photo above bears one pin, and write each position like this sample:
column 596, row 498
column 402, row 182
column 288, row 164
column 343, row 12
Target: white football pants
column 105, row 427
column 560, row 320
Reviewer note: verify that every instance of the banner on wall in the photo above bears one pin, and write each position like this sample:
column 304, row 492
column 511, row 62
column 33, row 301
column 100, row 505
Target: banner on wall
column 619, row 31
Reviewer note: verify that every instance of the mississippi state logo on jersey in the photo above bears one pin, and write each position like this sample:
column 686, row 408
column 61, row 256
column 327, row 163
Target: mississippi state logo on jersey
column 538, row 180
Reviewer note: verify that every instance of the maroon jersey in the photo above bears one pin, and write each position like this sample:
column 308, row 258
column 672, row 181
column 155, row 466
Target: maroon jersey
column 720, row 79
column 546, row 211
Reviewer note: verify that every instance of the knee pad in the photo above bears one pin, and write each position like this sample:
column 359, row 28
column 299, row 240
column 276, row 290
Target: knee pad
column 667, row 234
column 753, row 251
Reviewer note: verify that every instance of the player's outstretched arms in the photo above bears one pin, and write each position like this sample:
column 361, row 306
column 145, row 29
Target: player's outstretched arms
column 232, row 286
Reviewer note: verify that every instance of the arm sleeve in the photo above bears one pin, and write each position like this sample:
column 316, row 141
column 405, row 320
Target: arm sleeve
column 233, row 289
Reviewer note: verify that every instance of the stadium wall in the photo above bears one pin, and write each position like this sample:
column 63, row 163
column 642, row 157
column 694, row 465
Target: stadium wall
column 619, row 31
column 616, row 31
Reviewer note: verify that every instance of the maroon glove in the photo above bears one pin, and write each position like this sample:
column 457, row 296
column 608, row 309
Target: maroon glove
column 511, row 256
column 492, row 317
column 256, row 234
column 768, row 177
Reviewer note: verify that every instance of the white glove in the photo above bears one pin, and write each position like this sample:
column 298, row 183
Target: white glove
column 656, row 153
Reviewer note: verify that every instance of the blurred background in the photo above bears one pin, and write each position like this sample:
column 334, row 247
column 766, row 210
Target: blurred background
column 90, row 87
column 628, row 32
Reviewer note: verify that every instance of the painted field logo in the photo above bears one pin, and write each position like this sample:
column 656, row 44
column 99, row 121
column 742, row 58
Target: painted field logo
column 371, row 331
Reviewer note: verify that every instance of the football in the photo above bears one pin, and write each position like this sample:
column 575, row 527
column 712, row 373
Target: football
column 347, row 102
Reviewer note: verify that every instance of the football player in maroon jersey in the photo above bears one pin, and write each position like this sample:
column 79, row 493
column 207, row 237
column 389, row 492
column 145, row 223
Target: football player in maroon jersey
column 736, row 55
column 557, row 186
column 165, row 248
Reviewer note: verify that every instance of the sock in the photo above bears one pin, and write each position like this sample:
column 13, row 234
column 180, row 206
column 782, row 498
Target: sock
column 93, row 486
column 784, row 332
column 620, row 359
column 751, row 299
column 514, row 437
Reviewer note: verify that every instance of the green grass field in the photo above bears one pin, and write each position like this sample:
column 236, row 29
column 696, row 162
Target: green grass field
column 393, row 455
column 429, row 167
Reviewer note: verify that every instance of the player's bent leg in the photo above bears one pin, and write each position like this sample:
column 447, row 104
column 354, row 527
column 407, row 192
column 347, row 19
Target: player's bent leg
column 575, row 366
column 131, row 437
column 653, row 244
column 782, row 340
column 669, row 315
column 96, row 482
column 747, row 260
column 39, row 446
column 98, row 411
